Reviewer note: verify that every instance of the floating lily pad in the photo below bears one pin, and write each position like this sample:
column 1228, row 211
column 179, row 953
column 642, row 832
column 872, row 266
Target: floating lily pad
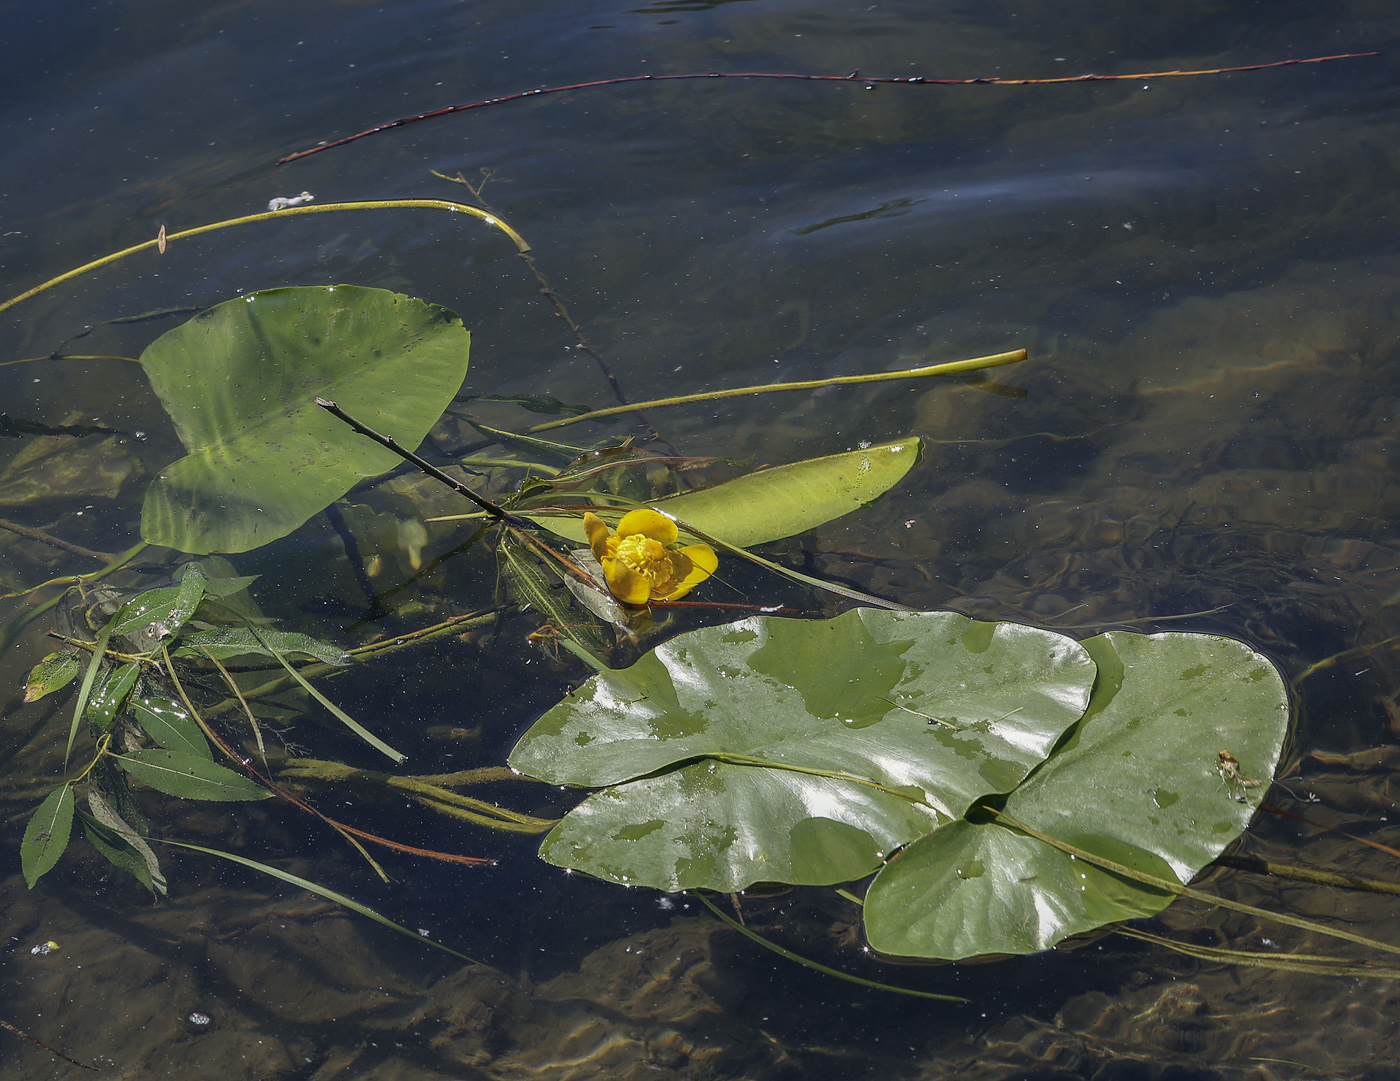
column 1139, row 781
column 818, row 746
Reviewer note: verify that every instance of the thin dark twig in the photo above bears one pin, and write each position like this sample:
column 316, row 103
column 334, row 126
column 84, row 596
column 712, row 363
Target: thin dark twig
column 853, row 77
column 494, row 510
column 53, row 1051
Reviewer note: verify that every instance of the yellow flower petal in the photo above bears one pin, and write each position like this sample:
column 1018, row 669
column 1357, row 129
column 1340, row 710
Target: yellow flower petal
column 650, row 524
column 691, row 565
column 627, row 585
column 596, row 530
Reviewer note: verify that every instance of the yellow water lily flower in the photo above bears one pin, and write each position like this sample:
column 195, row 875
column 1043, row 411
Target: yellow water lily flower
column 640, row 561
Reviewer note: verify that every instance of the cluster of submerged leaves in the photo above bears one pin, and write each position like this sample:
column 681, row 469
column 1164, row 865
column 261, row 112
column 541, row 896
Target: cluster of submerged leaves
column 1006, row 786
column 134, row 707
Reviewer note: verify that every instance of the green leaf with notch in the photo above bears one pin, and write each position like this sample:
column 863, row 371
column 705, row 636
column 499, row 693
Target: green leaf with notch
column 798, row 751
column 240, row 380
column 1138, row 781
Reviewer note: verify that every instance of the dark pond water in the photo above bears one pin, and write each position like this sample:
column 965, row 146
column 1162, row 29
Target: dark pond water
column 1204, row 271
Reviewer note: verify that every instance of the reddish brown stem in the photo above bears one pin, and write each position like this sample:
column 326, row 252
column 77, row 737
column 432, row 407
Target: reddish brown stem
column 853, row 77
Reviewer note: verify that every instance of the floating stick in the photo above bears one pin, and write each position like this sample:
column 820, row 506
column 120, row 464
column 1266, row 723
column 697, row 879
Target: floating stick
column 853, row 77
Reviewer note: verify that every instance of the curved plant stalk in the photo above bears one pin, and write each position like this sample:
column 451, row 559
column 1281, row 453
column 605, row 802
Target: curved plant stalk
column 1282, row 962
column 853, row 77
column 339, row 714
column 40, row 1043
column 350, row 833
column 782, row 951
column 455, row 625
column 286, row 212
column 1307, row 874
column 428, row 791
column 952, row 367
column 218, row 741
column 322, row 891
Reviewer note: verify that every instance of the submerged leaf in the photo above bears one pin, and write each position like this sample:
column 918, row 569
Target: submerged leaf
column 226, row 642
column 53, row 673
column 240, row 382
column 166, row 608
column 122, row 846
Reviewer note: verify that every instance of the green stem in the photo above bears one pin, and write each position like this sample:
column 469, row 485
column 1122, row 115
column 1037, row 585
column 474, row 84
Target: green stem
column 1305, row 874
column 950, row 368
column 1283, row 962
column 288, row 212
column 789, row 955
column 12, row 629
column 362, row 653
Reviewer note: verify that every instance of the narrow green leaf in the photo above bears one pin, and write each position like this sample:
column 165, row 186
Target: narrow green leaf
column 778, row 502
column 110, row 695
column 80, row 706
column 226, row 642
column 535, row 403
column 544, row 450
column 189, row 776
column 53, row 673
column 46, row 836
column 169, row 724
column 322, row 891
column 340, row 715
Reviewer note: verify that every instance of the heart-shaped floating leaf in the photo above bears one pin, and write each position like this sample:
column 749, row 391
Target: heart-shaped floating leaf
column 818, row 746
column 780, row 502
column 1141, row 781
column 240, row 382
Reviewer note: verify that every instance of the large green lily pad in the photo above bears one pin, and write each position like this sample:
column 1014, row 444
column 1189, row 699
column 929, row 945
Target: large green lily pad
column 808, row 750
column 1139, row 782
column 779, row 502
column 240, row 382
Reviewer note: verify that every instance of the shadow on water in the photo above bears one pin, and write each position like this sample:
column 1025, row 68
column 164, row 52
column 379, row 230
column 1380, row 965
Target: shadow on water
column 1203, row 271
